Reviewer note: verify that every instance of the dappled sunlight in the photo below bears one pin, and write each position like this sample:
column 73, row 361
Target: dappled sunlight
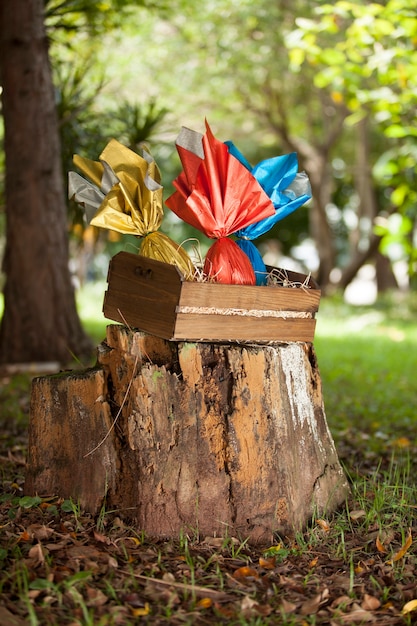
column 89, row 299
column 392, row 317
column 367, row 360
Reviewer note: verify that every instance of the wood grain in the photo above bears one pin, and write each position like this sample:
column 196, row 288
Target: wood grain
column 207, row 439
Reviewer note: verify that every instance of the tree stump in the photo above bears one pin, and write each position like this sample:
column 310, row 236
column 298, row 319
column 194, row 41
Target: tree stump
column 205, row 438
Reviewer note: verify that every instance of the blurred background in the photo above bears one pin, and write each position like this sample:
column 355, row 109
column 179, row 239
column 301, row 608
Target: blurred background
column 335, row 83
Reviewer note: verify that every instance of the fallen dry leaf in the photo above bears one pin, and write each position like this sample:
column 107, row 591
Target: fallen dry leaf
column 311, row 606
column 274, row 549
column 227, row 611
column 112, row 562
column 101, row 538
column 399, row 555
column 34, row 593
column 83, row 552
column 379, row 546
column 341, row 600
column 324, row 525
column 248, row 605
column 357, row 614
column 60, row 545
column 25, row 536
column 141, row 611
column 214, row 542
column 409, row 607
column 40, row 531
column 245, row 572
column 10, row 619
column 267, row 563
column 370, row 603
column 288, row 607
column 95, row 597
column 133, row 599
column 36, row 555
column 355, row 515
column 127, row 540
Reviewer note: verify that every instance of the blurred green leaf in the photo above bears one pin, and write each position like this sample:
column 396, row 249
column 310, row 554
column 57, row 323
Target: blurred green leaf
column 28, row 502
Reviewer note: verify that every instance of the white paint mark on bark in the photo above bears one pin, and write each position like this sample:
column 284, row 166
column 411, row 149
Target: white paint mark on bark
column 299, row 390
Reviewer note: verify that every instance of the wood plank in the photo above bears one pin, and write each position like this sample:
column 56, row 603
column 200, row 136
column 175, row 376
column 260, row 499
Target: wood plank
column 246, row 297
column 137, row 274
column 142, row 293
column 222, row 328
column 148, row 314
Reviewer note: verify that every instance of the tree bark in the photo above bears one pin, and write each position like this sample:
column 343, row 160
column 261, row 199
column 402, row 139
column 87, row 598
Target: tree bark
column 385, row 277
column 40, row 321
column 358, row 261
column 214, row 439
column 368, row 209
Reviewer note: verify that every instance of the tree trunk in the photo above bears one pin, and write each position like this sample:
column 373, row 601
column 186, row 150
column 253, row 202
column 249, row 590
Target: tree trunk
column 385, row 277
column 214, row 439
column 358, row 260
column 314, row 158
column 40, row 321
column 367, row 210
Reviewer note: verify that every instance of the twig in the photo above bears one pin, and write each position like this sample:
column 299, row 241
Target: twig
column 195, row 589
column 124, row 320
column 118, row 412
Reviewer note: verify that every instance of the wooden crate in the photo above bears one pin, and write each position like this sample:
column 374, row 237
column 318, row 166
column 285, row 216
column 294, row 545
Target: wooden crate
column 154, row 297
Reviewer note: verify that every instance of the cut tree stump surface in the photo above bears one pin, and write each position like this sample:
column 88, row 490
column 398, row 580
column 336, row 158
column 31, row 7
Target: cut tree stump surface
column 214, row 439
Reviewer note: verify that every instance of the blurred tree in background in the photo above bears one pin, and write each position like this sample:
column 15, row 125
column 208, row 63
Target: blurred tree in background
column 268, row 77
column 40, row 320
column 364, row 54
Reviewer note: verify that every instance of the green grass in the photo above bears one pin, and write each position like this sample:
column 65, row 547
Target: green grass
column 367, row 358
column 90, row 308
column 360, row 556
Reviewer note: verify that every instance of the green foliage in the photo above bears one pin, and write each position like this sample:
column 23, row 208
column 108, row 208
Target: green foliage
column 260, row 72
column 396, row 234
column 85, row 128
column 364, row 54
column 138, row 123
column 13, row 405
column 87, row 120
column 27, row 502
column 94, row 16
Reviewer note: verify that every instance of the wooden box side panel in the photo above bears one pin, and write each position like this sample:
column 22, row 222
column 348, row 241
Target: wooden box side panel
column 135, row 312
column 212, row 295
column 142, row 293
column 225, row 328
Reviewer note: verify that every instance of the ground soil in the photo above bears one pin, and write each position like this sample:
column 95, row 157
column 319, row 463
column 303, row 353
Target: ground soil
column 61, row 566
